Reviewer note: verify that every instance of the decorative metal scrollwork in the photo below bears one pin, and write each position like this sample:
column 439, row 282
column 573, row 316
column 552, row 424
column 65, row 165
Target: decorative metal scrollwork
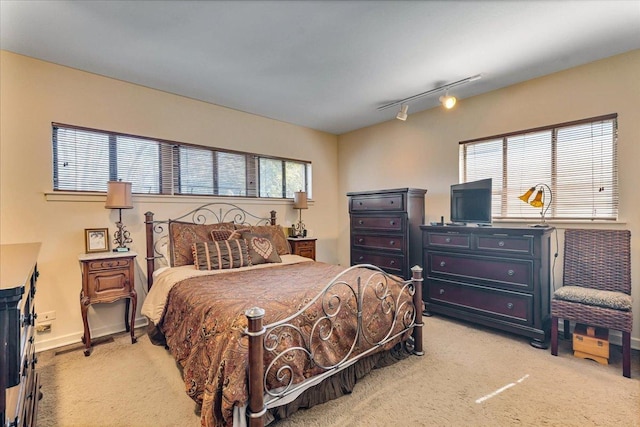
column 374, row 295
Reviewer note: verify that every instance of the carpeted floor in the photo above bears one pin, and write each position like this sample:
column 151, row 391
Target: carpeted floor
column 469, row 376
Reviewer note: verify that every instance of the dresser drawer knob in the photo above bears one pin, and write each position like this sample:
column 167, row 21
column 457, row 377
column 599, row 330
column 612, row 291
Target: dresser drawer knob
column 392, row 262
column 501, row 243
column 447, row 240
column 392, row 222
column 391, row 202
column 361, row 240
column 360, row 222
column 510, row 305
column 441, row 292
column 511, row 272
column 360, row 258
column 392, row 242
column 442, row 263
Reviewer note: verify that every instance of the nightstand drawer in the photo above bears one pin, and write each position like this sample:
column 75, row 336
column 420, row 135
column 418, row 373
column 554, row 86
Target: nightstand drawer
column 108, row 283
column 108, row 264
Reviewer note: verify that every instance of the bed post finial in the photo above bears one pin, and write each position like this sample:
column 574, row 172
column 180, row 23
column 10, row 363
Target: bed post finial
column 148, row 220
column 273, row 217
column 416, row 279
column 256, row 331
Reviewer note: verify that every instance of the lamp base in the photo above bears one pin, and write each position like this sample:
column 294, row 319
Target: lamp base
column 121, row 250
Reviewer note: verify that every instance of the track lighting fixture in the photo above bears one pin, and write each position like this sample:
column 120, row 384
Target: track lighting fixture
column 402, row 114
column 446, row 100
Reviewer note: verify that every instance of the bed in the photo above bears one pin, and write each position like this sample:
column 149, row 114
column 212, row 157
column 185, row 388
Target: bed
column 257, row 339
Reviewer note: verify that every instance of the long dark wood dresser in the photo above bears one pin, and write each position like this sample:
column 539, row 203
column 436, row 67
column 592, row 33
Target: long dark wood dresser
column 494, row 276
column 19, row 383
column 385, row 229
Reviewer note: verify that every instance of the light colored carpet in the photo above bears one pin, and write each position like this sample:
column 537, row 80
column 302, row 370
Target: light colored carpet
column 455, row 383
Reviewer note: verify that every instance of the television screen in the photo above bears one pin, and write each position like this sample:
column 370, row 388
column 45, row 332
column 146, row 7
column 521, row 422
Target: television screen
column 471, row 202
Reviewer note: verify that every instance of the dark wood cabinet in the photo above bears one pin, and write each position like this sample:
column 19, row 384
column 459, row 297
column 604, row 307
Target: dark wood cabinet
column 303, row 246
column 107, row 277
column 385, row 228
column 19, row 381
column 495, row 276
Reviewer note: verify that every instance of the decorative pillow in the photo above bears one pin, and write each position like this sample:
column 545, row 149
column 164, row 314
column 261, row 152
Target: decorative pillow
column 220, row 255
column 183, row 235
column 606, row 299
column 261, row 248
column 219, row 235
column 275, row 233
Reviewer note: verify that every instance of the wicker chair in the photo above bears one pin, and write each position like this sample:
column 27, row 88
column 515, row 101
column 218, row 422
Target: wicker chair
column 596, row 286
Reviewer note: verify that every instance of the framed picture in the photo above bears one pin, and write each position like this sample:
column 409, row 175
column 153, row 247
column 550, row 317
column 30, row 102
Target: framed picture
column 96, row 239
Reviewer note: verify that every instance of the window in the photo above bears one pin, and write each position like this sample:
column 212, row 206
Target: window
column 577, row 160
column 85, row 159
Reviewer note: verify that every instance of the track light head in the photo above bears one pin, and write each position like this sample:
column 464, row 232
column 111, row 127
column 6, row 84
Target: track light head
column 448, row 101
column 402, row 114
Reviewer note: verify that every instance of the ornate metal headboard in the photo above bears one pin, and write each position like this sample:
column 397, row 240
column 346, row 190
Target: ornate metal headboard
column 210, row 213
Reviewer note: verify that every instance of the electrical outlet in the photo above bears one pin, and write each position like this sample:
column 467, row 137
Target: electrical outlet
column 46, row 317
column 43, row 327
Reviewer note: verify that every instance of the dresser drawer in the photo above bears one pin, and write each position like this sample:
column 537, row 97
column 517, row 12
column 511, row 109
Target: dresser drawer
column 506, row 244
column 510, row 305
column 378, row 223
column 448, row 240
column 388, row 262
column 390, row 243
column 501, row 272
column 378, row 202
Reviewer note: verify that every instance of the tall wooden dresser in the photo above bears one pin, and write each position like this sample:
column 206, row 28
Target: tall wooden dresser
column 385, row 229
column 19, row 383
column 494, row 276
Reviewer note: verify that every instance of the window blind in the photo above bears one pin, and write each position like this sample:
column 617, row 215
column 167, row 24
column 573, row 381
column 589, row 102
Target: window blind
column 86, row 159
column 577, row 160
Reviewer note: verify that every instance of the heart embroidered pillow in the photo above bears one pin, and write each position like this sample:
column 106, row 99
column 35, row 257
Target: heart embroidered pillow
column 261, row 248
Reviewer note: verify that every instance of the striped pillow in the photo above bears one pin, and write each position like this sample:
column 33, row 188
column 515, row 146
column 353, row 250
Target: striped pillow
column 220, row 255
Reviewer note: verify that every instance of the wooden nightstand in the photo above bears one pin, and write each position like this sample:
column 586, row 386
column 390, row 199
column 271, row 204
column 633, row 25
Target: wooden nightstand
column 303, row 246
column 107, row 277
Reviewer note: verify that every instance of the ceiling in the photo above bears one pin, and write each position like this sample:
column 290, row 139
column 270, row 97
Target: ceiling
column 326, row 65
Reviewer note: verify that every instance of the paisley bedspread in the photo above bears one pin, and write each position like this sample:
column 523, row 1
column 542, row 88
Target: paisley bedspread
column 204, row 323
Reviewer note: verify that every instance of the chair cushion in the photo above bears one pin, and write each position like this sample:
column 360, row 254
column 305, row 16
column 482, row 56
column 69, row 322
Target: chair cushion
column 606, row 299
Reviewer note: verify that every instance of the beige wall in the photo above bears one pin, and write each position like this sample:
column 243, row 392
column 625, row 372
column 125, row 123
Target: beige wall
column 35, row 93
column 423, row 151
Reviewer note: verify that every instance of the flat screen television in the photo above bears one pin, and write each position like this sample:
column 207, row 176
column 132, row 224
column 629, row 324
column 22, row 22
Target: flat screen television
column 471, row 202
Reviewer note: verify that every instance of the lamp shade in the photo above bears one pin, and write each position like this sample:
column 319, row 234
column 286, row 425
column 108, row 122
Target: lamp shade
column 119, row 195
column 300, row 200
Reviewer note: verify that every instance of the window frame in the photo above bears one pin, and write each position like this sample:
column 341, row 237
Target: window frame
column 169, row 166
column 503, row 191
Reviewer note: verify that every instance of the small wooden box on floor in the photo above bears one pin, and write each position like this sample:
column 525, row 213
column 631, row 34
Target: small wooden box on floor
column 591, row 343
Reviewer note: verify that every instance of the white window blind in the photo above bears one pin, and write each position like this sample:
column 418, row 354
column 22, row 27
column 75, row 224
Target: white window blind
column 577, row 160
column 86, row 159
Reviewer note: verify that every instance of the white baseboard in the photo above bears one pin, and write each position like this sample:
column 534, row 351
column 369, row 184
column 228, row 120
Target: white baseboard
column 76, row 337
